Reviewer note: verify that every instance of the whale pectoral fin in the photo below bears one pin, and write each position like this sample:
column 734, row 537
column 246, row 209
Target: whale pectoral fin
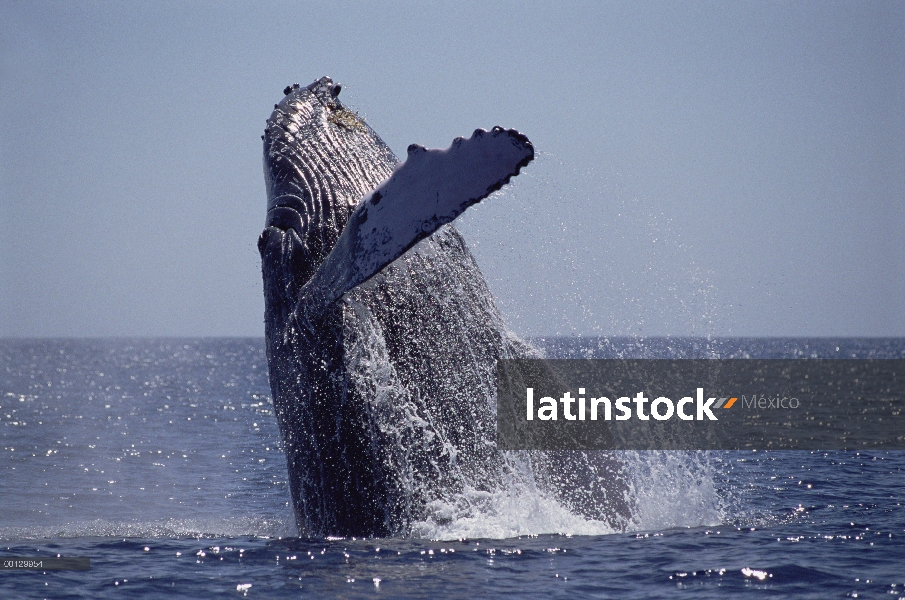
column 428, row 190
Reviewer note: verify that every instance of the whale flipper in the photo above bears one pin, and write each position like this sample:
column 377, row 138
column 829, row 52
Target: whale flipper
column 431, row 188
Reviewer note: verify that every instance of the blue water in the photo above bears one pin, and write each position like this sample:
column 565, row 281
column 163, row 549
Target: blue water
column 160, row 460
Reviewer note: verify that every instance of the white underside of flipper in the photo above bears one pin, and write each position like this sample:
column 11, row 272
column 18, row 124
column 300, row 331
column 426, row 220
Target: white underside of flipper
column 428, row 190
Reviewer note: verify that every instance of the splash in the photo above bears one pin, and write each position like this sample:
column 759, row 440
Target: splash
column 667, row 490
column 675, row 489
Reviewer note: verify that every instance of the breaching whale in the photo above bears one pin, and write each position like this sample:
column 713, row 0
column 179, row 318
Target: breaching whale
column 382, row 337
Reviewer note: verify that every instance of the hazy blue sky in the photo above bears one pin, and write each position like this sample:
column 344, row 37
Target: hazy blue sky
column 721, row 168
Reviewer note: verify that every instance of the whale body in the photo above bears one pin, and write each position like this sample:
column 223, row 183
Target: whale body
column 382, row 336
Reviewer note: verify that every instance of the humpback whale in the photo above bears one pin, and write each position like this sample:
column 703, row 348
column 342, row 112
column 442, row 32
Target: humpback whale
column 382, row 337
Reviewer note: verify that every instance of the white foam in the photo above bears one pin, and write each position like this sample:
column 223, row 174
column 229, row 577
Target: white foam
column 668, row 489
column 501, row 515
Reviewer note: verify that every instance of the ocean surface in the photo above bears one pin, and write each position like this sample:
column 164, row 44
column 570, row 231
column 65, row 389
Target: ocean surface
column 160, row 460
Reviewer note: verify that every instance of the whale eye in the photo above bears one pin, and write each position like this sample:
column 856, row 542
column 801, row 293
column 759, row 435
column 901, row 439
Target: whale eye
column 336, row 89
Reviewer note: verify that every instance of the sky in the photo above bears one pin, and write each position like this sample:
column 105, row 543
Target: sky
column 703, row 168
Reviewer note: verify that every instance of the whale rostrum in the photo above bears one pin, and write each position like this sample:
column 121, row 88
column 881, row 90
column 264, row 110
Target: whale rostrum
column 382, row 337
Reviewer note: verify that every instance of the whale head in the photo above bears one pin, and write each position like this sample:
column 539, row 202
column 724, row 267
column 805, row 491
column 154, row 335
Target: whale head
column 320, row 159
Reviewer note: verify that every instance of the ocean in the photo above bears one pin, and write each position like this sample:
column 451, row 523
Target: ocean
column 160, row 461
